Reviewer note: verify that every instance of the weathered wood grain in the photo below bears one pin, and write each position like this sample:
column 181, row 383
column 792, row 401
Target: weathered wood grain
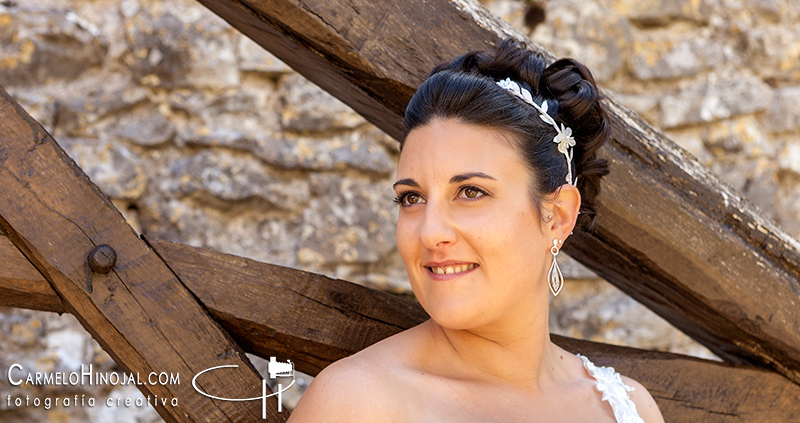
column 689, row 389
column 315, row 320
column 139, row 312
column 670, row 233
column 21, row 285
column 274, row 310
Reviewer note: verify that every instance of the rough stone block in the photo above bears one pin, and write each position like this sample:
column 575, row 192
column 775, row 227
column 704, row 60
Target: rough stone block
column 245, row 100
column 241, row 118
column 773, row 51
column 784, row 111
column 350, row 151
column 661, row 12
column 714, row 100
column 115, row 169
column 588, row 32
column 37, row 46
column 68, row 347
column 245, row 230
column 666, row 55
column 310, row 109
column 147, row 129
column 81, row 109
column 178, row 46
column 216, row 137
column 350, row 221
column 789, row 157
column 254, row 58
column 233, row 178
column 642, row 104
column 26, row 333
column 769, row 10
column 741, row 136
column 511, row 11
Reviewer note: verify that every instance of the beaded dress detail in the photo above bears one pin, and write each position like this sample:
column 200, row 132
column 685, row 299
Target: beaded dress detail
column 610, row 384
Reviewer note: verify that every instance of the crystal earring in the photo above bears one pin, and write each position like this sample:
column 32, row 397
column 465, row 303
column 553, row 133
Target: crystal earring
column 554, row 277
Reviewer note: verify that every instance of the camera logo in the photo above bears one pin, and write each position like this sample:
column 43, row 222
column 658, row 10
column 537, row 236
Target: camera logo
column 278, row 369
column 275, row 369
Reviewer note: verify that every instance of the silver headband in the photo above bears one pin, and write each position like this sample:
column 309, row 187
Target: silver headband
column 563, row 134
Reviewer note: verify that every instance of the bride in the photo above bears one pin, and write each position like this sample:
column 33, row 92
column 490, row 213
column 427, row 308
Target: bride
column 496, row 169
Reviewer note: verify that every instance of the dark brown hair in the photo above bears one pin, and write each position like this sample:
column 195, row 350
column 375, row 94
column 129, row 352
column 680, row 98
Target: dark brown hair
column 466, row 90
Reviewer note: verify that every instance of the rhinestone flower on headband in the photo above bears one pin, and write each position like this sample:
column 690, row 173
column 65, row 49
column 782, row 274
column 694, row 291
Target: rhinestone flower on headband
column 563, row 134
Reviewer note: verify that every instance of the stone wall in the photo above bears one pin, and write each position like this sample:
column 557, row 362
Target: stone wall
column 199, row 136
column 721, row 78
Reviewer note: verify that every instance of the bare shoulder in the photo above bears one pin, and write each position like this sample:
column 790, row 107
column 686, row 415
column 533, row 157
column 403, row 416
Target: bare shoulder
column 354, row 389
column 645, row 404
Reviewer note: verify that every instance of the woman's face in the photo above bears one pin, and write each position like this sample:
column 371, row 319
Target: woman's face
column 468, row 232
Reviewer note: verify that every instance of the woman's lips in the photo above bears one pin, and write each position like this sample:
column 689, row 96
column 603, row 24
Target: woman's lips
column 444, row 271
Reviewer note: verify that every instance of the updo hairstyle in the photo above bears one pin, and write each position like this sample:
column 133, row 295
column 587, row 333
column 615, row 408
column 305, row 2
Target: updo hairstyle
column 466, row 90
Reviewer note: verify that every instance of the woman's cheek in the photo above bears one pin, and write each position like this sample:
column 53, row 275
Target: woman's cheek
column 407, row 241
column 401, row 233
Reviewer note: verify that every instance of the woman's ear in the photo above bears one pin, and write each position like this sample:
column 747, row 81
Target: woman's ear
column 564, row 208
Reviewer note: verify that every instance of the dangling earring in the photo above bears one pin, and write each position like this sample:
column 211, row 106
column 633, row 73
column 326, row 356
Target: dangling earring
column 554, row 277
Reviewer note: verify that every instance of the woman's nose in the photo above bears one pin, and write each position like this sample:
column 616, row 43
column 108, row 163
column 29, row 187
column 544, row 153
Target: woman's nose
column 437, row 229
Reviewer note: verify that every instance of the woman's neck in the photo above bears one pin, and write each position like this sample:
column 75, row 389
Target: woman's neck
column 518, row 353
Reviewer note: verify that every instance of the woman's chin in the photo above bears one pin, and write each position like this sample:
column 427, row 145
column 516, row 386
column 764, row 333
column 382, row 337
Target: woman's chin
column 456, row 317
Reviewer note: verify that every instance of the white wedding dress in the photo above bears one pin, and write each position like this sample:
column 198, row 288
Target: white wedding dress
column 610, row 384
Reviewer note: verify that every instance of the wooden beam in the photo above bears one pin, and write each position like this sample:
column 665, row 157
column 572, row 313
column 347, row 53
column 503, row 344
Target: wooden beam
column 135, row 307
column 314, row 320
column 690, row 389
column 670, row 233
column 21, row 285
column 274, row 310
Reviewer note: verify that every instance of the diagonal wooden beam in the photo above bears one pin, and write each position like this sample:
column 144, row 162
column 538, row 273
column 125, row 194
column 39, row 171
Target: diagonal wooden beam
column 314, row 320
column 670, row 233
column 135, row 307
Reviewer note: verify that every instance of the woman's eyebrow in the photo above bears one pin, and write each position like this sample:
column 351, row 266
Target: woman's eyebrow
column 408, row 181
column 463, row 177
column 455, row 179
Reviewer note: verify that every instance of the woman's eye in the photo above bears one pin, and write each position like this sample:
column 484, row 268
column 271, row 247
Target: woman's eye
column 408, row 199
column 411, row 198
column 472, row 192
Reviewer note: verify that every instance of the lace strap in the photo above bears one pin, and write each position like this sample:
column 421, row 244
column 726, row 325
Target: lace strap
column 614, row 390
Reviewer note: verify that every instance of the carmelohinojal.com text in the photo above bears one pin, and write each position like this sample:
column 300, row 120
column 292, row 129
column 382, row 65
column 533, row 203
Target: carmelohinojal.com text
column 17, row 377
